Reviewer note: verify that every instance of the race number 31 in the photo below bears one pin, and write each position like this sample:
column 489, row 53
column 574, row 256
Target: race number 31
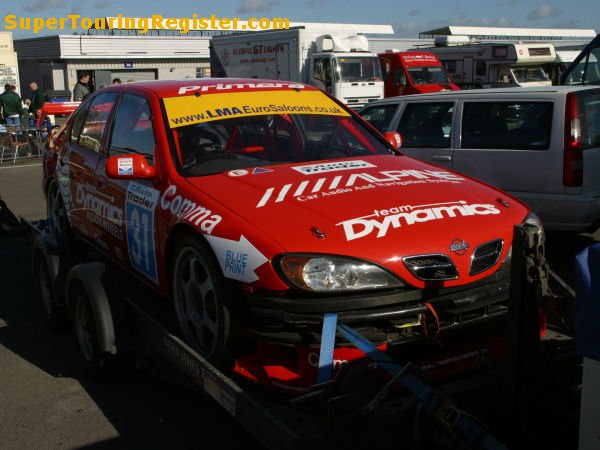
column 139, row 212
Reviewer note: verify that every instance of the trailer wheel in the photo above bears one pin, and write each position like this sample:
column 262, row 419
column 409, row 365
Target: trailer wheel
column 204, row 302
column 56, row 314
column 97, row 362
column 57, row 212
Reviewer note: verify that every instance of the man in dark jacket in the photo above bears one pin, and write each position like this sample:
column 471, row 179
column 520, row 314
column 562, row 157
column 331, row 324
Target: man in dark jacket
column 82, row 88
column 37, row 98
column 11, row 105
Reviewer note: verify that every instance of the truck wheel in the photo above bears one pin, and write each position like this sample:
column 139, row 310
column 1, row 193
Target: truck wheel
column 56, row 315
column 204, row 302
column 97, row 362
column 57, row 213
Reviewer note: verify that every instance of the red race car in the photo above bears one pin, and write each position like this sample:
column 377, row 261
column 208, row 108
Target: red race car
column 257, row 206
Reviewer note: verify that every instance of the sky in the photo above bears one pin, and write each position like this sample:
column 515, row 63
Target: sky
column 407, row 18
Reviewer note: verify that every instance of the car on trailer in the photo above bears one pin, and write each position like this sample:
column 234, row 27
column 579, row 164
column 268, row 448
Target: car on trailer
column 257, row 206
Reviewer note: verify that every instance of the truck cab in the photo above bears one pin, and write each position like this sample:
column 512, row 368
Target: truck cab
column 346, row 69
column 407, row 73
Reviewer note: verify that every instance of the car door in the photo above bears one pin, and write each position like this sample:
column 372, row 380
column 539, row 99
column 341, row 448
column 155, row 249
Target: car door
column 507, row 141
column 88, row 206
column 132, row 132
column 426, row 129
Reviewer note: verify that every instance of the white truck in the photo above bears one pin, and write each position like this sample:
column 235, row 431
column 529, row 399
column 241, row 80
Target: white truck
column 474, row 65
column 340, row 65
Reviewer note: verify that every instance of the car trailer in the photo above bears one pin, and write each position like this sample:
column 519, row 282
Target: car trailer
column 114, row 315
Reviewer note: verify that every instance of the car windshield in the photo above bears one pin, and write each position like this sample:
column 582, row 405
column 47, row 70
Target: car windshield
column 525, row 74
column 358, row 68
column 428, row 75
column 263, row 140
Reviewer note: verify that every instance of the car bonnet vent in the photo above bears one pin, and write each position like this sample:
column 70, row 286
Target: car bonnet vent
column 434, row 267
column 485, row 256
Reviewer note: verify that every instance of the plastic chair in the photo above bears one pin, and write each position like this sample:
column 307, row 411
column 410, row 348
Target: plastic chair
column 11, row 142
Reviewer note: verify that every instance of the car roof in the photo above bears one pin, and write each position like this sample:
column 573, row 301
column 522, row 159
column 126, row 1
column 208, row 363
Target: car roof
column 193, row 86
column 521, row 91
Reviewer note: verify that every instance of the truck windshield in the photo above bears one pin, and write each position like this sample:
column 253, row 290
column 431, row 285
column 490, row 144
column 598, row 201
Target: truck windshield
column 427, row 75
column 358, row 68
column 527, row 74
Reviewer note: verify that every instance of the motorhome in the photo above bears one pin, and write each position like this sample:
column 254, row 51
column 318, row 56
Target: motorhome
column 340, row 65
column 496, row 64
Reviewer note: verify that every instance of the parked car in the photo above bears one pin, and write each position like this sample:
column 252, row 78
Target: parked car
column 541, row 145
column 257, row 206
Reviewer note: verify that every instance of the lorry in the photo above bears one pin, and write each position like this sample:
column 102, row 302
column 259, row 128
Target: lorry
column 340, row 65
column 585, row 69
column 413, row 72
column 475, row 65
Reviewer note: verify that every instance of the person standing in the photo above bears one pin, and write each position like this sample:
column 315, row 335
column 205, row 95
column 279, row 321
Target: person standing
column 36, row 100
column 82, row 88
column 11, row 106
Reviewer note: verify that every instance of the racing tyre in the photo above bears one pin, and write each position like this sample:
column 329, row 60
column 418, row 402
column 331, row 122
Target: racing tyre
column 205, row 303
column 97, row 363
column 55, row 313
column 57, row 213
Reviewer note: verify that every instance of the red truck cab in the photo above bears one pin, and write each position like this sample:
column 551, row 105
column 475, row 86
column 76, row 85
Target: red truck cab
column 407, row 73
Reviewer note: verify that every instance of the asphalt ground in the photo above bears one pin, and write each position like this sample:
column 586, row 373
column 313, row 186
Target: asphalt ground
column 47, row 401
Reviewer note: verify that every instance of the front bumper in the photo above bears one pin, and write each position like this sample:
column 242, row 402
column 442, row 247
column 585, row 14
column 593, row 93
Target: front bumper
column 389, row 316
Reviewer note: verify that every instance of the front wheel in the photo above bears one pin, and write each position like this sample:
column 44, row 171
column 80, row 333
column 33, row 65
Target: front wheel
column 205, row 303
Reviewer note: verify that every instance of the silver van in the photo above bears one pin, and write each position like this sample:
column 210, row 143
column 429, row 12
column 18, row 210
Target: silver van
column 542, row 145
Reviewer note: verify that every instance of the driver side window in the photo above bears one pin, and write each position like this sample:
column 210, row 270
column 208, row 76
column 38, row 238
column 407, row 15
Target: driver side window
column 133, row 131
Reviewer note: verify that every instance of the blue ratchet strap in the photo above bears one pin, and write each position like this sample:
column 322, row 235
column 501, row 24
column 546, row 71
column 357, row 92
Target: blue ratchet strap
column 327, row 347
column 433, row 403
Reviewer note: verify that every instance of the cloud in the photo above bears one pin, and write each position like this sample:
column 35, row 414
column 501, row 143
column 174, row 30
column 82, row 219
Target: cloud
column 255, row 6
column 41, row 5
column 413, row 12
column 543, row 12
column 484, row 22
column 104, row 4
column 313, row 4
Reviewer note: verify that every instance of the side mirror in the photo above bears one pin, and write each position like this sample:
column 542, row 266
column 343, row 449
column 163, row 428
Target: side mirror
column 129, row 167
column 394, row 138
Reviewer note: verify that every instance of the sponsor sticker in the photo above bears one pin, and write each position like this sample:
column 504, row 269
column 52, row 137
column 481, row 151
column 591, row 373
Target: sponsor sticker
column 326, row 187
column 238, row 173
column 238, row 259
column 140, row 205
column 332, row 167
column 258, row 170
column 381, row 221
column 125, row 166
column 193, row 109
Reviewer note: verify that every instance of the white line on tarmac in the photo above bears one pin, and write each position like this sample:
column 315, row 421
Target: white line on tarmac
column 23, row 165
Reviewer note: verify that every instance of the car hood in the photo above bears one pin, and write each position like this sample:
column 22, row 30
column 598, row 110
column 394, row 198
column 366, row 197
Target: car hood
column 378, row 208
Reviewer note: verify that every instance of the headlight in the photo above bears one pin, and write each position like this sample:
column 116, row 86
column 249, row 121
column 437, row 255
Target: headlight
column 325, row 273
column 534, row 220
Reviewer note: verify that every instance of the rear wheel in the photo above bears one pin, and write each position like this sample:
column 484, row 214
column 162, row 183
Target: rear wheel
column 57, row 213
column 54, row 312
column 205, row 302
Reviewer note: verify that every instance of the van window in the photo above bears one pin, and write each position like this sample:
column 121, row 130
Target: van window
column 380, row 116
column 589, row 105
column 426, row 124
column 509, row 125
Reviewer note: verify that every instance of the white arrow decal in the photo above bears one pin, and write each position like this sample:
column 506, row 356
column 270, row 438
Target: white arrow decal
column 238, row 259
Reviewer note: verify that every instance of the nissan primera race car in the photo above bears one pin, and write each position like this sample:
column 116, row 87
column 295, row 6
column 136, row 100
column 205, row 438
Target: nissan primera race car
column 257, row 206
